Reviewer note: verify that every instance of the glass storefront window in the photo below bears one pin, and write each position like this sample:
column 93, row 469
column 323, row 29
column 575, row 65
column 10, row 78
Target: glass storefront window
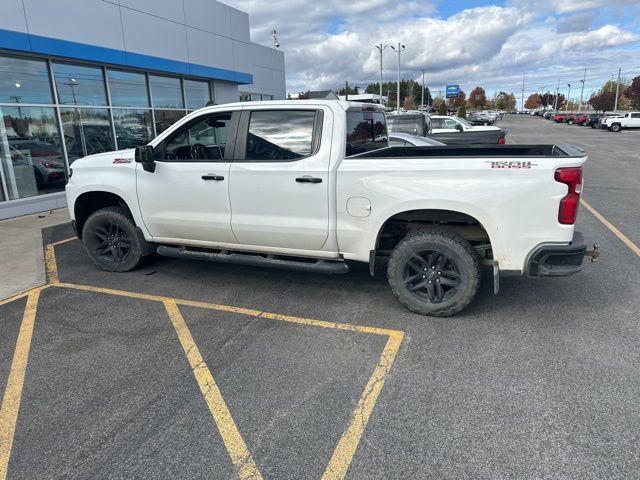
column 24, row 81
column 133, row 127
column 86, row 131
column 128, row 89
column 30, row 151
column 166, row 118
column 196, row 93
column 245, row 97
column 166, row 92
column 79, row 85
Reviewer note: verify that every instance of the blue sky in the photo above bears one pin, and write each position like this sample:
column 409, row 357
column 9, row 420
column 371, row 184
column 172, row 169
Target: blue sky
column 487, row 43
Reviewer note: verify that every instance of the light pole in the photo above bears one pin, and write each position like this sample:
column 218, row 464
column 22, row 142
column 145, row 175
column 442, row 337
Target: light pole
column 615, row 106
column 584, row 78
column 555, row 100
column 399, row 50
column 566, row 108
column 72, row 84
column 380, row 48
column 422, row 96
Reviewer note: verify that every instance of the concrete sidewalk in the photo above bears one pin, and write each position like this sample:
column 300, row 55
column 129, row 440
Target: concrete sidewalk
column 21, row 253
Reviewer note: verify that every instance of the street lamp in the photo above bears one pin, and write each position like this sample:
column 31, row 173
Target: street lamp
column 566, row 109
column 399, row 50
column 380, row 48
column 422, row 96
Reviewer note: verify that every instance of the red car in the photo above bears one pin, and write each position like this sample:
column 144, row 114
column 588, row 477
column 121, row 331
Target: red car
column 559, row 117
column 581, row 119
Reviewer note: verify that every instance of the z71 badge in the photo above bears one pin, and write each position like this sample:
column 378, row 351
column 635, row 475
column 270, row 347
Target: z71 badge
column 513, row 165
column 122, row 160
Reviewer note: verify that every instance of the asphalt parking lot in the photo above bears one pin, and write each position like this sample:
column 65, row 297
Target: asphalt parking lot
column 189, row 370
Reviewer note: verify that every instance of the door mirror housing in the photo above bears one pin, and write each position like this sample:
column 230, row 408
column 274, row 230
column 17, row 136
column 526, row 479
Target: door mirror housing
column 459, row 127
column 144, row 155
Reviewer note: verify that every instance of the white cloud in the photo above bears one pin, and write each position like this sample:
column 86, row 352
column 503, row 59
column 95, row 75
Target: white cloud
column 326, row 43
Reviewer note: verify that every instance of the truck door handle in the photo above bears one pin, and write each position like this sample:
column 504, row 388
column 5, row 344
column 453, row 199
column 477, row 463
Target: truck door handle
column 308, row 180
column 212, row 176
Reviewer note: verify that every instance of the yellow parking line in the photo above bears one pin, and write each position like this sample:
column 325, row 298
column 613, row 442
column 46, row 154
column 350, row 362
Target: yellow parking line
column 240, row 456
column 13, row 392
column 634, row 248
column 346, row 448
column 60, row 242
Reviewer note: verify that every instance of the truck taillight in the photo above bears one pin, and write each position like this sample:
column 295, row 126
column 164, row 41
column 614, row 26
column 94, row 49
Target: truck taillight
column 502, row 141
column 572, row 178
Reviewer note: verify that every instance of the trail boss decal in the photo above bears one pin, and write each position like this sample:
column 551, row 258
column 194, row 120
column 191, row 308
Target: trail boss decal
column 513, row 165
column 122, row 160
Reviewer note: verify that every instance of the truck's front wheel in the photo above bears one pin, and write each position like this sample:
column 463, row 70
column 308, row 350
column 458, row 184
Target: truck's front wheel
column 434, row 273
column 110, row 239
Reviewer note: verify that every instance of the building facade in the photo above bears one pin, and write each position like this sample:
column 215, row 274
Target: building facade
column 79, row 77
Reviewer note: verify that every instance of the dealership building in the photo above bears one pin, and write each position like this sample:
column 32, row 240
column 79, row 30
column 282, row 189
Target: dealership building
column 79, row 77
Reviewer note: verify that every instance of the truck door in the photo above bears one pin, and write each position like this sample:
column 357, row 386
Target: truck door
column 187, row 196
column 279, row 180
column 634, row 121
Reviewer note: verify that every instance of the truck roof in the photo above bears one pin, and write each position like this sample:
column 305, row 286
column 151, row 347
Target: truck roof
column 346, row 105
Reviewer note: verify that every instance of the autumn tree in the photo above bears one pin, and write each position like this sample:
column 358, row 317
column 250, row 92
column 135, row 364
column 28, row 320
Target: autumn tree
column 534, row 101
column 460, row 100
column 603, row 101
column 478, row 97
column 633, row 93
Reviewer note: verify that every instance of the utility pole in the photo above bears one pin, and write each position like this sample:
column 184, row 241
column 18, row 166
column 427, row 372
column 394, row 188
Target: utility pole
column 584, row 77
column 555, row 103
column 399, row 50
column 615, row 107
column 523, row 75
column 422, row 97
column 346, row 90
column 566, row 108
column 380, row 48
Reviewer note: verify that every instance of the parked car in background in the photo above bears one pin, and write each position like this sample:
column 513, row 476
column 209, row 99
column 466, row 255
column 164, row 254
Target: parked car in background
column 617, row 123
column 479, row 118
column 411, row 123
column 397, row 139
column 559, row 117
column 580, row 119
column 592, row 121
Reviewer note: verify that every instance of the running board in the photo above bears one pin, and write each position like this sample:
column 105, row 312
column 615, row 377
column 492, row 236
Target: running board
column 319, row 266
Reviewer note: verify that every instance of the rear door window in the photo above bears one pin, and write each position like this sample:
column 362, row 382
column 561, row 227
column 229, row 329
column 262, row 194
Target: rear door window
column 280, row 135
column 365, row 131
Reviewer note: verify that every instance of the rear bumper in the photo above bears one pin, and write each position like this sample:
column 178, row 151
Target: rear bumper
column 557, row 260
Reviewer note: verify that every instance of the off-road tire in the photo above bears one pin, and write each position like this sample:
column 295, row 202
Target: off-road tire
column 105, row 236
column 616, row 127
column 464, row 260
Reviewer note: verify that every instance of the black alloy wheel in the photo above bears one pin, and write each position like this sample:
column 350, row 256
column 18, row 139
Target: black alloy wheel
column 112, row 242
column 431, row 276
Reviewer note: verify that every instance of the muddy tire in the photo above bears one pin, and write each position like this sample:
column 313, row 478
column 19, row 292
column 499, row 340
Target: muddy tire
column 434, row 273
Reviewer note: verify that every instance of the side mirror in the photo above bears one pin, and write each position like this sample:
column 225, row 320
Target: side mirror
column 144, row 155
column 459, row 127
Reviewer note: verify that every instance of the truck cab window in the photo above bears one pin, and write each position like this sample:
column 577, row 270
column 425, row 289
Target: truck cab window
column 204, row 140
column 365, row 131
column 280, row 135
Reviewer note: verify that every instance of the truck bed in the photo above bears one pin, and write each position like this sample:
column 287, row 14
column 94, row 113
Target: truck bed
column 478, row 150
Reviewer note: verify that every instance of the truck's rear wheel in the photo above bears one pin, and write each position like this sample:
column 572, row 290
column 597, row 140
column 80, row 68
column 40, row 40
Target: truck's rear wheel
column 110, row 239
column 434, row 273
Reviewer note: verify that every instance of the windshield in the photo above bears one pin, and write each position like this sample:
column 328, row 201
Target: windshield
column 464, row 122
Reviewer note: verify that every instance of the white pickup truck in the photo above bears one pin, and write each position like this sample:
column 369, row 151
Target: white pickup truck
column 312, row 185
column 617, row 123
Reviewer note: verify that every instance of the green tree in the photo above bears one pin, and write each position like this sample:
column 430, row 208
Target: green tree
column 506, row 101
column 462, row 111
column 443, row 109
